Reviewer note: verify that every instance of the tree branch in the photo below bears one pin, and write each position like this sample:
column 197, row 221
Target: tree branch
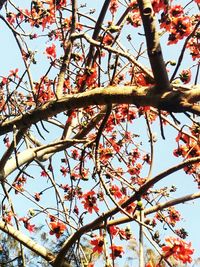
column 97, row 30
column 27, row 242
column 97, row 222
column 153, row 46
column 114, row 50
column 172, row 101
column 67, row 55
column 157, row 207
column 30, row 154
column 30, row 244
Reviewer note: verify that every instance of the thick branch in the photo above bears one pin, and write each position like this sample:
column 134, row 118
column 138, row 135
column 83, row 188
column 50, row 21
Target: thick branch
column 153, row 46
column 27, row 242
column 30, row 244
column 172, row 101
column 30, row 154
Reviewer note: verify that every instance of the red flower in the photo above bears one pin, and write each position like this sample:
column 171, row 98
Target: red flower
column 105, row 153
column 19, row 184
column 185, row 76
column 107, row 40
column 57, row 228
column 194, row 47
column 44, row 173
column 115, row 191
column 51, row 51
column 158, row 5
column 65, row 187
column 52, row 218
column 134, row 19
column 27, row 225
column 90, row 202
column 4, row 81
column 176, row 11
column 11, row 18
column 113, row 6
column 7, row 217
column 64, row 170
column 68, row 22
column 98, row 243
column 75, row 154
column 117, row 251
column 135, row 170
column 178, row 249
column 89, row 78
column 84, row 174
column 123, row 233
column 14, row 73
column 180, row 27
column 113, row 230
column 174, row 216
column 140, row 78
column 180, row 151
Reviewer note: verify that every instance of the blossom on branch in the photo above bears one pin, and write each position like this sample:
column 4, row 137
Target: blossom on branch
column 117, row 251
column 27, row 225
column 98, row 244
column 57, row 228
column 178, row 249
column 90, row 201
column 51, row 51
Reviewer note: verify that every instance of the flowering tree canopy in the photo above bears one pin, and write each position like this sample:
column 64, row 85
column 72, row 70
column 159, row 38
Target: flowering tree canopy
column 80, row 164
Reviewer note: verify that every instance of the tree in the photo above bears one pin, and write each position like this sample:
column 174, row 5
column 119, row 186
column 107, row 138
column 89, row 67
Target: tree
column 80, row 164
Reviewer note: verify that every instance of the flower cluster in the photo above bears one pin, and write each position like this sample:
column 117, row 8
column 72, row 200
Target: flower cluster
column 189, row 149
column 121, row 233
column 178, row 249
column 193, row 46
column 176, row 23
